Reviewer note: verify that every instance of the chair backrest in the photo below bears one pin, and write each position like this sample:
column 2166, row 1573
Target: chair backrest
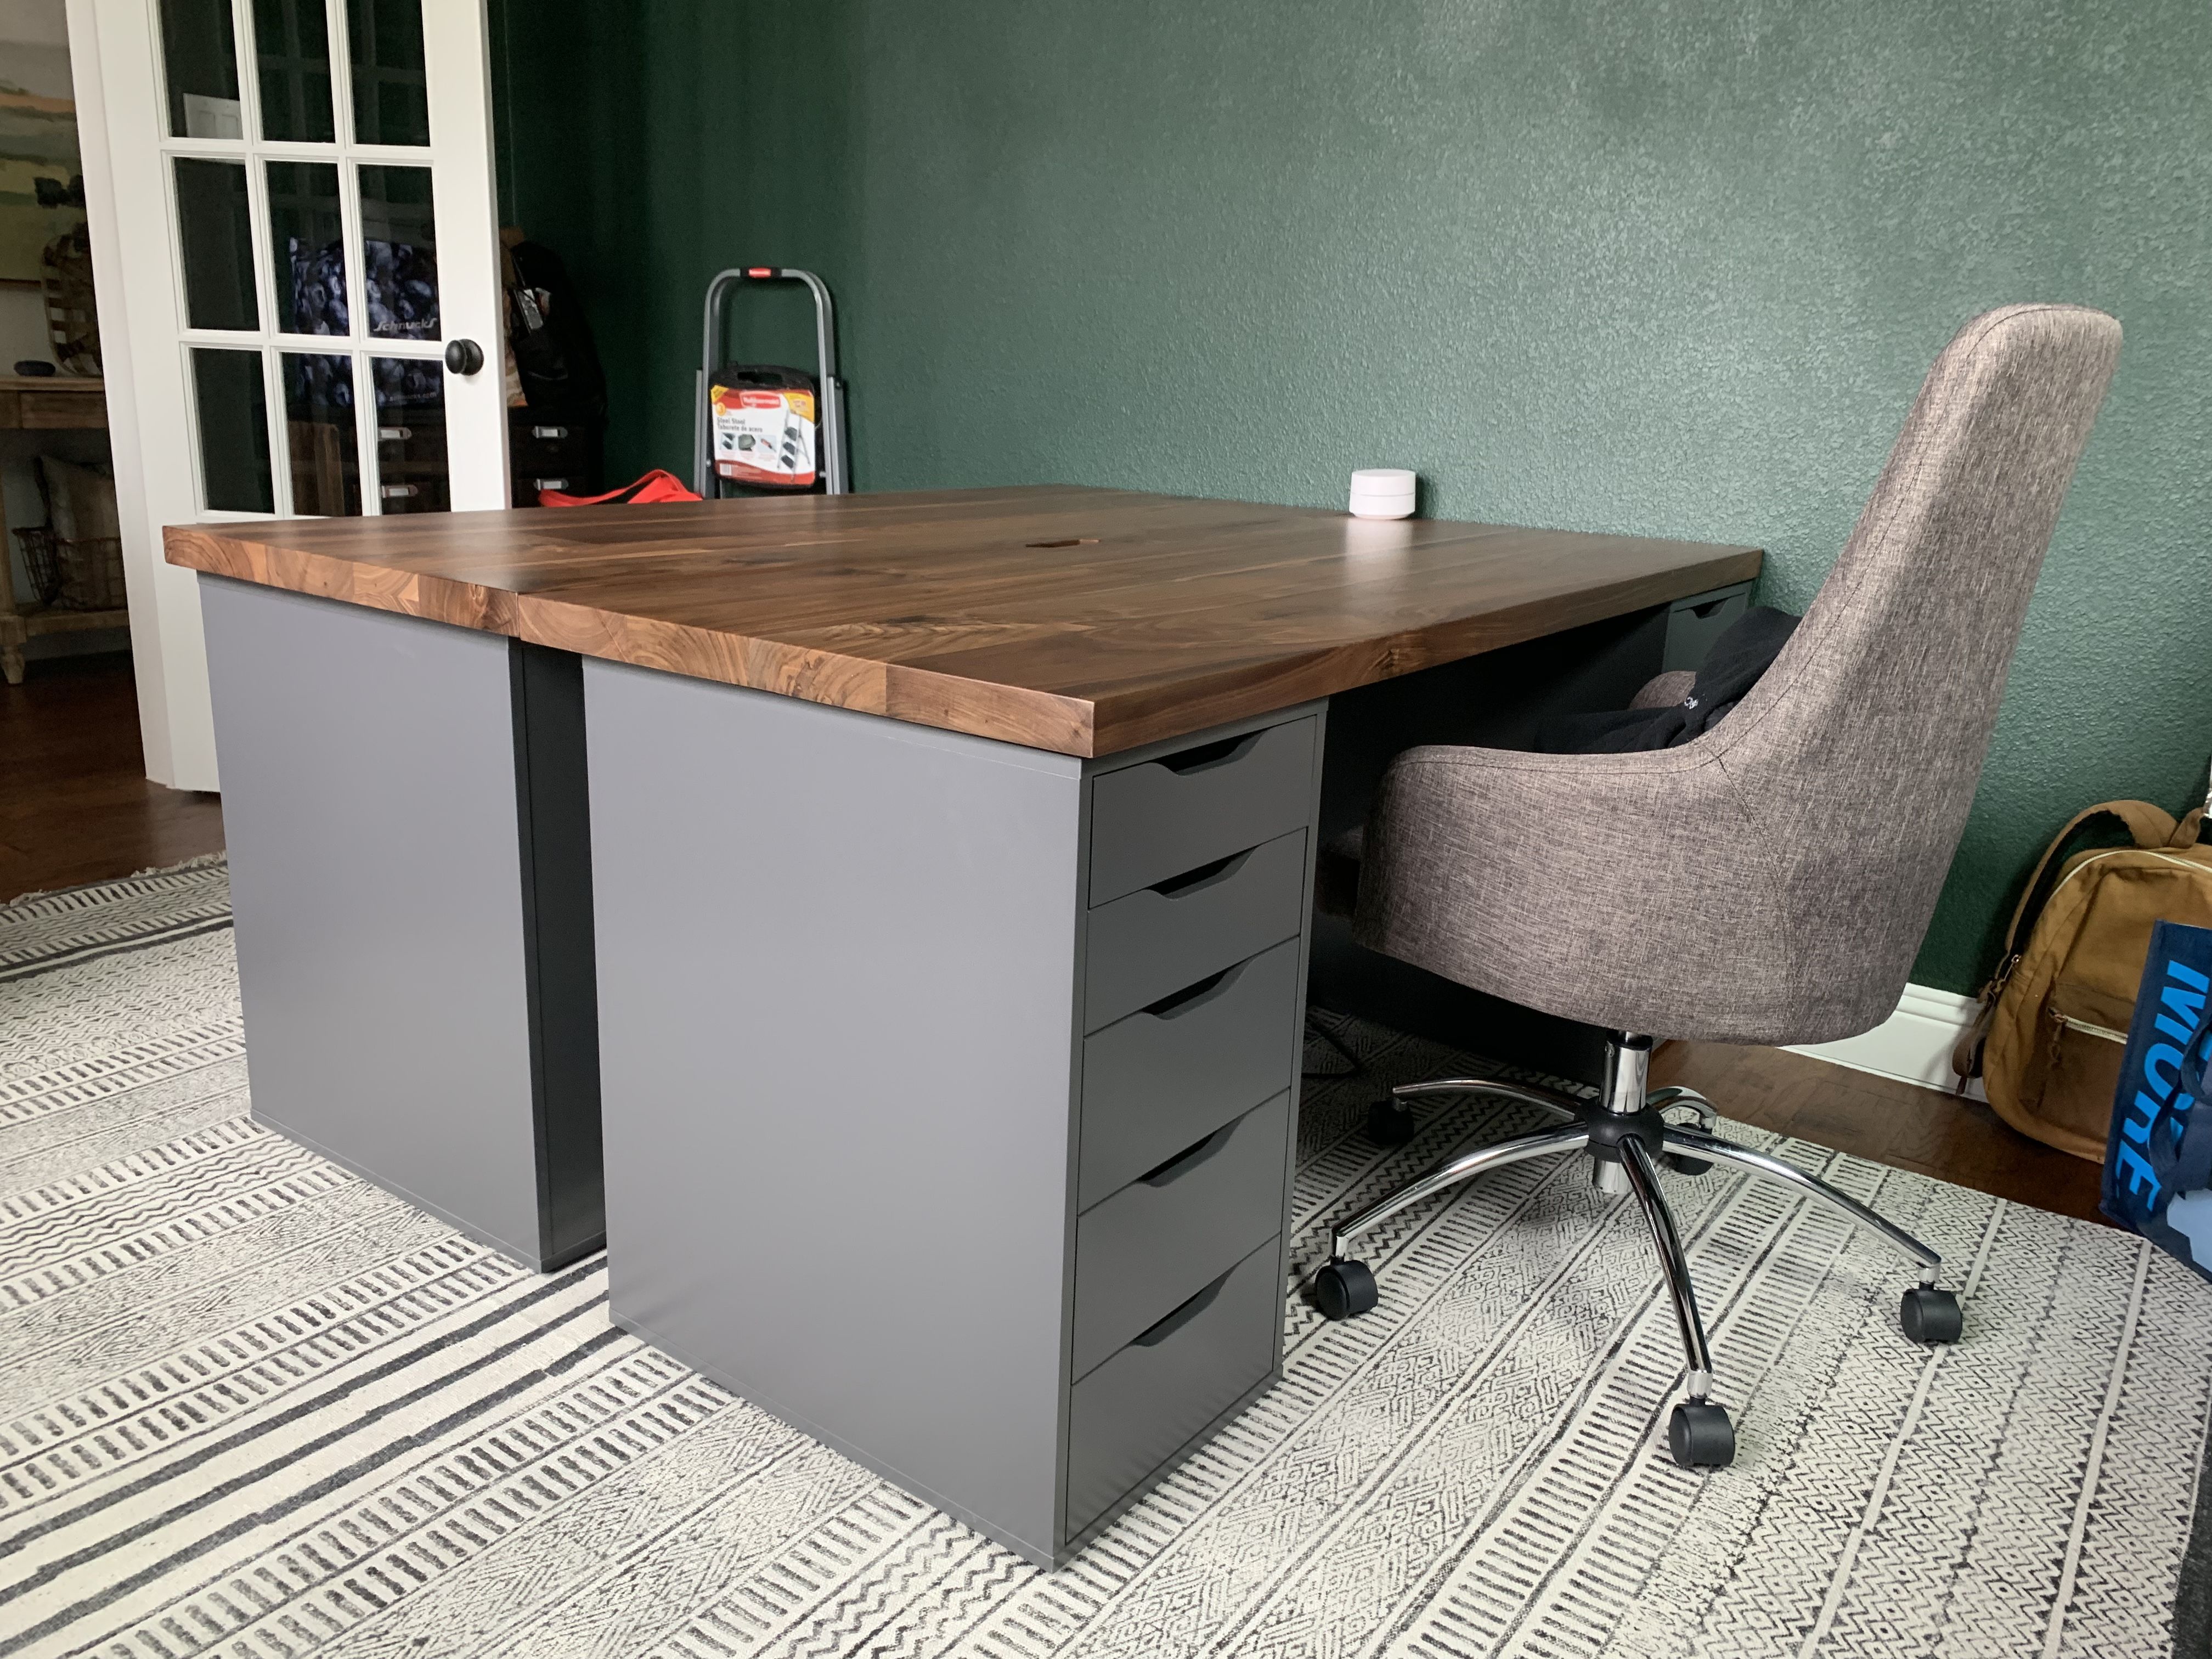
column 1858, row 750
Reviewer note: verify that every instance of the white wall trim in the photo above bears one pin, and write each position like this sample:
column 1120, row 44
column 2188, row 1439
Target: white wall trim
column 1912, row 1045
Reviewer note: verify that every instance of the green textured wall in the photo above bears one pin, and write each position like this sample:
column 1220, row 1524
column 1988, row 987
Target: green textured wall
column 1673, row 268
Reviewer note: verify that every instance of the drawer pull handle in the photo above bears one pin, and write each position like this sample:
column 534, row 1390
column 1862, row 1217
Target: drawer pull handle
column 1207, row 756
column 1703, row 612
column 1206, row 876
column 1167, row 1174
column 1211, row 988
column 1182, row 1315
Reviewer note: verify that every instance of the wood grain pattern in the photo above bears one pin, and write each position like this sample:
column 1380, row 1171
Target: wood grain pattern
column 1083, row 621
column 78, row 806
column 1931, row 1131
column 33, row 402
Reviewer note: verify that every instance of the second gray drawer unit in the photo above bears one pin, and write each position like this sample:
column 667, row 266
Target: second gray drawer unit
column 1693, row 624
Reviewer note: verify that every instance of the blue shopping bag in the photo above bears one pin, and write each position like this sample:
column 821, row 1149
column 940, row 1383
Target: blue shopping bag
column 2158, row 1156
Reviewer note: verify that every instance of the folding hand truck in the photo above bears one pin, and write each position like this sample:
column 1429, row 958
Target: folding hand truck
column 836, row 471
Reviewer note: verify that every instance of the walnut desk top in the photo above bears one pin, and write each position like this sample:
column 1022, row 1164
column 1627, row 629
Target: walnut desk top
column 1082, row 621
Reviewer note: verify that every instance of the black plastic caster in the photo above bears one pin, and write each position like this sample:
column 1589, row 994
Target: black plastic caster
column 1683, row 1164
column 1344, row 1290
column 1930, row 1316
column 1390, row 1124
column 1700, row 1436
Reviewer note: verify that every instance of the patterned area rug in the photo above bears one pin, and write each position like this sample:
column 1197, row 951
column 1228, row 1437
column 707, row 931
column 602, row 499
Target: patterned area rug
column 251, row 1406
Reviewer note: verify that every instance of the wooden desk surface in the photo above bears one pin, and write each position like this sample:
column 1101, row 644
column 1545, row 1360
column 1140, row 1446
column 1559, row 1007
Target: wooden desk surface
column 1083, row 621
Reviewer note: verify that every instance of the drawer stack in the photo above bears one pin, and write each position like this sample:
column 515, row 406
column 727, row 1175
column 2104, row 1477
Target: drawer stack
column 554, row 449
column 1196, row 889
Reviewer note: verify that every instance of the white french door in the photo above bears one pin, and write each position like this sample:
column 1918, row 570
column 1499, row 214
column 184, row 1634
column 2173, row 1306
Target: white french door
column 302, row 272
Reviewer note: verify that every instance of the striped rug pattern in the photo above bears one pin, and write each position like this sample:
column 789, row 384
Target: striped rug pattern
column 252, row 1407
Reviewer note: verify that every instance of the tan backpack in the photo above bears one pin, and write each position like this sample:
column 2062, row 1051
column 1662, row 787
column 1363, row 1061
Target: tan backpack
column 2053, row 1023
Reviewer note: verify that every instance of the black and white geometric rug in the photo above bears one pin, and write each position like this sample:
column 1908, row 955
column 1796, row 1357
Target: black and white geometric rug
column 252, row 1407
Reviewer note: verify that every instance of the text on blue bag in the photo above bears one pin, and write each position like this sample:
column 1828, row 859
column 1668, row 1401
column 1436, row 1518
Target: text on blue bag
column 2181, row 1007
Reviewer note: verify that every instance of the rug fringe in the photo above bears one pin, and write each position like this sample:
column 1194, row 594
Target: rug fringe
column 205, row 861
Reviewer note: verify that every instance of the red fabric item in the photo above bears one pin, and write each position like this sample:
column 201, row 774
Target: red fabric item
column 658, row 485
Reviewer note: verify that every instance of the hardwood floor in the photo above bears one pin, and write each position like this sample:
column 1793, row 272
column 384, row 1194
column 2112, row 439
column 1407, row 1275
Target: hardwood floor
column 1896, row 1123
column 75, row 803
column 76, row 806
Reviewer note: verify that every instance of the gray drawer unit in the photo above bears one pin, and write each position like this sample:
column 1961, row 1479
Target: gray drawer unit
column 1168, row 1234
column 1157, row 1081
column 1158, row 941
column 1057, row 978
column 1163, row 816
column 1693, row 624
column 1161, row 1395
column 416, row 980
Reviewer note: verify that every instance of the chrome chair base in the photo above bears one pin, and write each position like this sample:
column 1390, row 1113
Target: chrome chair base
column 1625, row 1134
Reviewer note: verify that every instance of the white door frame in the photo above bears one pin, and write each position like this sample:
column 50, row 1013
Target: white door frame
column 168, row 653
column 114, row 48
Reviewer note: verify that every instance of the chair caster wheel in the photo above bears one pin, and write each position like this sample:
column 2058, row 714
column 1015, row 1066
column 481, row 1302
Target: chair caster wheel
column 1699, row 1436
column 1344, row 1290
column 1390, row 1124
column 1929, row 1314
column 1683, row 1164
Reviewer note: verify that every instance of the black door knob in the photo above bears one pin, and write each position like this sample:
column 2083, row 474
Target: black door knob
column 464, row 356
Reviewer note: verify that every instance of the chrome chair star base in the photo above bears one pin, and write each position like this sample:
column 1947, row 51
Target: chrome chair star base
column 1626, row 1134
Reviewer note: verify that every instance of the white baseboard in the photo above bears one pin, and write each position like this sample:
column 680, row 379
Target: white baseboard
column 1913, row 1045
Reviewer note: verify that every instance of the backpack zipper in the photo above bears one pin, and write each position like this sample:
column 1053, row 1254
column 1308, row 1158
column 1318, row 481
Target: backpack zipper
column 2160, row 853
column 2088, row 1029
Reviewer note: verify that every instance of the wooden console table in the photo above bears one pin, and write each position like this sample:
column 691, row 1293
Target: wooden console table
column 43, row 405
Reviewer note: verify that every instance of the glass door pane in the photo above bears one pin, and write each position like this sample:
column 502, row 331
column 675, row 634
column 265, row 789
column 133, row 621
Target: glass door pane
column 391, row 92
column 307, row 233
column 411, row 435
column 216, row 227
column 292, row 52
column 200, row 61
column 325, row 444
column 308, row 250
column 399, row 246
column 233, row 408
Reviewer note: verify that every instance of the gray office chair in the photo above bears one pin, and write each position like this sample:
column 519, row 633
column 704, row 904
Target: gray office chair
column 1770, row 882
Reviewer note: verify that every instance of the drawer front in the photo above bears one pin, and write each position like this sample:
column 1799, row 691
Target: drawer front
column 1164, row 1237
column 1136, row 1411
column 1160, row 940
column 528, row 452
column 1155, row 1082
column 1160, row 818
column 1692, row 627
